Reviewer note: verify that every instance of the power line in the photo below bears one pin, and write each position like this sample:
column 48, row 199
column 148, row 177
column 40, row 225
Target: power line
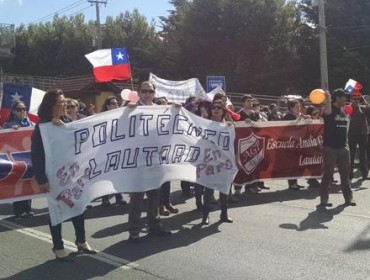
column 79, row 11
column 65, row 9
column 348, row 26
column 345, row 49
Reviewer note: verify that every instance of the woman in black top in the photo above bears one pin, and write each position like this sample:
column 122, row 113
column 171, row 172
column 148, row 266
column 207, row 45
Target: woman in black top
column 52, row 109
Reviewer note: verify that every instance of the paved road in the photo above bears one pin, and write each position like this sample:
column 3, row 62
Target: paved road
column 277, row 234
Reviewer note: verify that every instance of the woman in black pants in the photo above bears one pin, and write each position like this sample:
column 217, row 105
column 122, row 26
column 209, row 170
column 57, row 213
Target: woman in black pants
column 218, row 113
column 52, row 109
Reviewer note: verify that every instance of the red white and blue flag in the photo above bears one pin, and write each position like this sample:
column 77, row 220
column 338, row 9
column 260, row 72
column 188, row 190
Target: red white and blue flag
column 353, row 87
column 31, row 97
column 110, row 64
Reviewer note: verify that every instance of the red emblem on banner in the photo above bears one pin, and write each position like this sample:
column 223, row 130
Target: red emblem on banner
column 252, row 152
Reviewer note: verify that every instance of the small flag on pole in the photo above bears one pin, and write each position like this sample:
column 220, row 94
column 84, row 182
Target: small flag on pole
column 110, row 64
column 353, row 87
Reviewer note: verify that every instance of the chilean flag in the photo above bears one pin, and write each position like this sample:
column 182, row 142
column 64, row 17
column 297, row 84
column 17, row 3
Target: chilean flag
column 110, row 64
column 353, row 87
column 31, row 97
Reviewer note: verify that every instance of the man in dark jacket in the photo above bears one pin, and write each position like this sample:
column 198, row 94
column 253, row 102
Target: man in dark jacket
column 358, row 134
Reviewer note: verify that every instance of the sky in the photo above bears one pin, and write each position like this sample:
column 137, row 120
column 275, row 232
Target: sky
column 28, row 11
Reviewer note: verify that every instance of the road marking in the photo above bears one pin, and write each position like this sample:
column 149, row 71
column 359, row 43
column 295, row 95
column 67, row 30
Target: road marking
column 103, row 257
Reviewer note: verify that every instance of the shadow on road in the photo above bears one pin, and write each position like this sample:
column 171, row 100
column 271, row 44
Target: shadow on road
column 361, row 243
column 316, row 219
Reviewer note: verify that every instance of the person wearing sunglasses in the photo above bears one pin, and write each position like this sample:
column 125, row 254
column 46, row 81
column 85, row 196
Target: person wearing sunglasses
column 72, row 108
column 358, row 134
column 111, row 103
column 52, row 109
column 218, row 114
column 146, row 93
column 18, row 118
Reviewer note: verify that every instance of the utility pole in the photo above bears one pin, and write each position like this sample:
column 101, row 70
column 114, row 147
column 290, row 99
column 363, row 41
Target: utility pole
column 98, row 26
column 323, row 49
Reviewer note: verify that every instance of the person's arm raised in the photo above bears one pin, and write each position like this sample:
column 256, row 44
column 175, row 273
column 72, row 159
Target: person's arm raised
column 327, row 108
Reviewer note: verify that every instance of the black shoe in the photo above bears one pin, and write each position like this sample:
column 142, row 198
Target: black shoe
column 106, row 203
column 350, row 202
column 160, row 232
column 172, row 209
column 134, row 239
column 233, row 199
column 205, row 220
column 326, row 204
column 225, row 218
column 263, row 187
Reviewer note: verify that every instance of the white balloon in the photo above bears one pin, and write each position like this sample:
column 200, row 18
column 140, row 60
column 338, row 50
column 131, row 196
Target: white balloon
column 125, row 94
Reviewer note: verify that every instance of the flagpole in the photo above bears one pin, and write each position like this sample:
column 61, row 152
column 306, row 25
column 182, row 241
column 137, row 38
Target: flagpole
column 129, row 66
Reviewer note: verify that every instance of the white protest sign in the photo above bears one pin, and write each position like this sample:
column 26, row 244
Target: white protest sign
column 211, row 95
column 177, row 91
column 133, row 150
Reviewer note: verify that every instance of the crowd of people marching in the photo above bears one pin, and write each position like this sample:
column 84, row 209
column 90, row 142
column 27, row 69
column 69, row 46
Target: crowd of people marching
column 342, row 135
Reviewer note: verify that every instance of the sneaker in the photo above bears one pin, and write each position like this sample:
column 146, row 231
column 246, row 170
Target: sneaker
column 294, row 187
column 30, row 214
column 24, row 215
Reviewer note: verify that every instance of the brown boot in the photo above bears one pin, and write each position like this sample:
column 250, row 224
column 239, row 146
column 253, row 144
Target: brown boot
column 163, row 212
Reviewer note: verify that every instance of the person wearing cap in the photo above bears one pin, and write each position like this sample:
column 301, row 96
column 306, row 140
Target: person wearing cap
column 358, row 134
column 336, row 150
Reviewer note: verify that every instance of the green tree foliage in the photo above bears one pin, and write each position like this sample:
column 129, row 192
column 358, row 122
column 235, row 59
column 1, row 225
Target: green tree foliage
column 348, row 27
column 261, row 46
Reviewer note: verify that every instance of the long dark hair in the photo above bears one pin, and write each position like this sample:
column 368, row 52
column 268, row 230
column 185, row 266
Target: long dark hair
column 14, row 105
column 107, row 102
column 45, row 111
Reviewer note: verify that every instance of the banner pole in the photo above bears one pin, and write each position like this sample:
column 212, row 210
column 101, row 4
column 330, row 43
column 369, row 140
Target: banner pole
column 129, row 66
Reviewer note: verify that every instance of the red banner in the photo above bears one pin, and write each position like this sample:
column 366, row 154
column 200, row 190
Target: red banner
column 279, row 150
column 17, row 180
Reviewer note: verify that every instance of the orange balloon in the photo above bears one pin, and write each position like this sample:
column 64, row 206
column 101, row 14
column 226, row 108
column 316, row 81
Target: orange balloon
column 317, row 96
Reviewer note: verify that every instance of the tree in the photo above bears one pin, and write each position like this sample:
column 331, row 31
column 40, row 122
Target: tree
column 250, row 42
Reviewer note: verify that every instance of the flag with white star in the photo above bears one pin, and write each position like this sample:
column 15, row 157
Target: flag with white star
column 110, row 64
column 30, row 96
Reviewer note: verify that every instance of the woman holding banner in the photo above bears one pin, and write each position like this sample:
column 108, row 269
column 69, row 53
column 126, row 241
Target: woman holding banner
column 18, row 118
column 218, row 113
column 52, row 109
